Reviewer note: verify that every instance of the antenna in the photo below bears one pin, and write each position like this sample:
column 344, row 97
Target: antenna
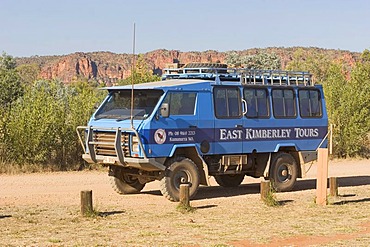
column 132, row 79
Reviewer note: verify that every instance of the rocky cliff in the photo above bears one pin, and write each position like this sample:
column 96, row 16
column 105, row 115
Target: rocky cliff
column 108, row 67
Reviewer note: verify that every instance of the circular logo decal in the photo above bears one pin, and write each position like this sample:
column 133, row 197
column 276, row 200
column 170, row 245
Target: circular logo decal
column 160, row 136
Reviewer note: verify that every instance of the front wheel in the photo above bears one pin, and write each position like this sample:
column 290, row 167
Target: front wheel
column 179, row 171
column 283, row 172
column 125, row 184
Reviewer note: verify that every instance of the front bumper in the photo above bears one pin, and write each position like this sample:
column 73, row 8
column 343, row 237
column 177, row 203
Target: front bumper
column 146, row 164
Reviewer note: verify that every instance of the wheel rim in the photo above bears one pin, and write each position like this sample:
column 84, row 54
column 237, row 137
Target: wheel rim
column 284, row 173
column 181, row 177
column 129, row 179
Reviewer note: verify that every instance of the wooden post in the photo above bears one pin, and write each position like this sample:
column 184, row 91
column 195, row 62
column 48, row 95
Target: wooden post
column 184, row 195
column 264, row 189
column 333, row 185
column 86, row 202
column 322, row 177
column 331, row 139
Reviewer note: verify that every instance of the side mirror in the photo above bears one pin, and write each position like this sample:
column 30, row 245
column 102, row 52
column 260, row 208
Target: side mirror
column 165, row 110
column 96, row 105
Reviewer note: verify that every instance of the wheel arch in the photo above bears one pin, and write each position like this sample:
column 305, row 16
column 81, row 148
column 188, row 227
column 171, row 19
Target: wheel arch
column 290, row 149
column 191, row 152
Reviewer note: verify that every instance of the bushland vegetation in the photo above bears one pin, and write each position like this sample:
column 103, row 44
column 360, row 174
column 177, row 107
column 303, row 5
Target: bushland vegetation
column 38, row 117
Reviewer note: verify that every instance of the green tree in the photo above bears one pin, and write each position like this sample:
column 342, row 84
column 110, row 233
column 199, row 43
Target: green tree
column 11, row 87
column 233, row 59
column 7, row 62
column 141, row 73
column 316, row 63
column 348, row 105
column 28, row 73
column 335, row 86
column 262, row 60
column 81, row 101
column 34, row 123
column 357, row 108
column 42, row 123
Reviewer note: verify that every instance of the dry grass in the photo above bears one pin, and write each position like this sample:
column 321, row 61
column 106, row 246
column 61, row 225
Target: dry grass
column 219, row 221
column 12, row 168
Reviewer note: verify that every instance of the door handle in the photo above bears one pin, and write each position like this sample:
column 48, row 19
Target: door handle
column 238, row 126
column 192, row 127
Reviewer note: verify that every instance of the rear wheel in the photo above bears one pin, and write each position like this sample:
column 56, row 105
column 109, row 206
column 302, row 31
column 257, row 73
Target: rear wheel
column 179, row 171
column 283, row 172
column 124, row 183
column 229, row 180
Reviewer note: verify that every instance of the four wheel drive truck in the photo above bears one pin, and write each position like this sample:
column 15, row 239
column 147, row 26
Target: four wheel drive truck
column 208, row 121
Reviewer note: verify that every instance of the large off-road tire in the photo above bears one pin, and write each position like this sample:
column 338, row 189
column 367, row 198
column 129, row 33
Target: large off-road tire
column 179, row 171
column 283, row 172
column 229, row 180
column 126, row 184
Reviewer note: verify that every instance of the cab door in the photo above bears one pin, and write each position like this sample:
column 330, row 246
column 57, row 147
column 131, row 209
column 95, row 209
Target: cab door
column 229, row 132
column 180, row 128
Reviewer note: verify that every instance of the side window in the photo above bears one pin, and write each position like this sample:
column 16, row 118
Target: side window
column 181, row 103
column 283, row 103
column 227, row 102
column 257, row 103
column 309, row 103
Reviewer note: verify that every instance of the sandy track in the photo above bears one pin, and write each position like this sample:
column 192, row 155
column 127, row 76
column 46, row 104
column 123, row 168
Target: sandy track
column 65, row 187
column 151, row 220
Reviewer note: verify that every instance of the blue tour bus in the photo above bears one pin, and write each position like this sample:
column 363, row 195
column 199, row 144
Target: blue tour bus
column 206, row 121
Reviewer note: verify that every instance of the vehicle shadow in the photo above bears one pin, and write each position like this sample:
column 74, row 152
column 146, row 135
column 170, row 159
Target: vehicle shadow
column 342, row 202
column 310, row 184
column 106, row 214
column 5, row 216
column 208, row 192
column 254, row 188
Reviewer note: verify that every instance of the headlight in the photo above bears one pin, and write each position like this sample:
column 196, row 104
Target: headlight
column 135, row 139
column 134, row 144
column 135, row 148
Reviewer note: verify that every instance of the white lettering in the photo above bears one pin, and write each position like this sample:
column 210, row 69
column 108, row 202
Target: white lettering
column 222, row 134
column 305, row 133
column 178, row 139
column 248, row 134
column 231, row 134
column 251, row 134
column 287, row 133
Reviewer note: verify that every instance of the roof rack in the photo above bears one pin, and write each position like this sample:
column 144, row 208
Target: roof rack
column 245, row 76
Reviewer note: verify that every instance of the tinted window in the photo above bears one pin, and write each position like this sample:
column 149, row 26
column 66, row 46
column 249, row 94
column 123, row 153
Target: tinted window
column 310, row 103
column 181, row 103
column 227, row 102
column 257, row 102
column 283, row 103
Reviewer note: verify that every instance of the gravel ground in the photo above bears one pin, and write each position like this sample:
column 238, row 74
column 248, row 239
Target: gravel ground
column 43, row 209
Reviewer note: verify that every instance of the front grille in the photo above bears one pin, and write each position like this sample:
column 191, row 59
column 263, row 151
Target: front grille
column 105, row 143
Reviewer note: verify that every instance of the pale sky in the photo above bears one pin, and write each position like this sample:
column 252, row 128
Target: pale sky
column 57, row 27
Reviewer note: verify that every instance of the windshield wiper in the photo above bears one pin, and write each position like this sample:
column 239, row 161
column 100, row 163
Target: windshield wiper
column 106, row 116
column 100, row 117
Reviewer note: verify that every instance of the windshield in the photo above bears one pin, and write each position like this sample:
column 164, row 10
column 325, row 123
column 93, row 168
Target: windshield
column 118, row 104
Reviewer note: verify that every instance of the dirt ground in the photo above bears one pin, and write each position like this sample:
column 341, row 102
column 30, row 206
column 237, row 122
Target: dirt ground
column 44, row 210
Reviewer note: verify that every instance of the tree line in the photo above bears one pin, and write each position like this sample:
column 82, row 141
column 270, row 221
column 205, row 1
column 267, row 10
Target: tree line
column 38, row 117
